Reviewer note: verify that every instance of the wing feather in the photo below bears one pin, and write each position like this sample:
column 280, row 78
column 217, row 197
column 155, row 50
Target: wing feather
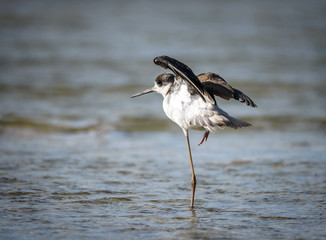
column 216, row 85
column 182, row 70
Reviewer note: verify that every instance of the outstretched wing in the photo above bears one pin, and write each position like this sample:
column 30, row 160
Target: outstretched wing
column 216, row 85
column 185, row 73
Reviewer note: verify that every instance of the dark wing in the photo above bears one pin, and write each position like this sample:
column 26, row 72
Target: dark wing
column 216, row 85
column 185, row 73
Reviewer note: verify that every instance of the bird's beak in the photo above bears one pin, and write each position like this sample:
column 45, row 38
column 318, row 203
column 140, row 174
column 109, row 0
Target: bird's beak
column 143, row 92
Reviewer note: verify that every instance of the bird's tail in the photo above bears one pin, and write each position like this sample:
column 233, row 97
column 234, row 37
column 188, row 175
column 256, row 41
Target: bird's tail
column 224, row 119
column 214, row 120
column 235, row 123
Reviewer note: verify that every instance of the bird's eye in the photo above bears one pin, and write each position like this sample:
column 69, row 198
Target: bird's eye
column 159, row 83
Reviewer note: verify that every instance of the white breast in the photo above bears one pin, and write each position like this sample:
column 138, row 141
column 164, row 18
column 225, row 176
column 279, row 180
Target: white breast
column 174, row 105
column 182, row 107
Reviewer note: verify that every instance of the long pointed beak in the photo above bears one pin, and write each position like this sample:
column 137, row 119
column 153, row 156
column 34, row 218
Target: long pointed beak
column 143, row 92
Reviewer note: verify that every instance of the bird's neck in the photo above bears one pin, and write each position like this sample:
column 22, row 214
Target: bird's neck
column 165, row 91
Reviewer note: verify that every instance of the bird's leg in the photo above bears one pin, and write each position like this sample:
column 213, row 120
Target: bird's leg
column 193, row 176
column 204, row 137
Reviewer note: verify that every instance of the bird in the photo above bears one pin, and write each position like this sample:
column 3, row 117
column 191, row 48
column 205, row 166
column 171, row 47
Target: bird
column 188, row 100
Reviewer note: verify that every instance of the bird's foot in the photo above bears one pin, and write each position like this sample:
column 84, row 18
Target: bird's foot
column 204, row 137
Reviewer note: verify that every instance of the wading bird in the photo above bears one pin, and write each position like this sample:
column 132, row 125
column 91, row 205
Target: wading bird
column 189, row 102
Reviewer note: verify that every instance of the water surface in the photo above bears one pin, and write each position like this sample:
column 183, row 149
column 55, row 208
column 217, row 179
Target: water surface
column 79, row 159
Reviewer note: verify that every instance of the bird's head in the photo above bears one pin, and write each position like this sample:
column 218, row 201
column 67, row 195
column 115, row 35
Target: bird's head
column 162, row 85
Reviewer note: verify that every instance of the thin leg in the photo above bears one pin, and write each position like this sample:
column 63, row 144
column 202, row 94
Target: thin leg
column 204, row 137
column 193, row 178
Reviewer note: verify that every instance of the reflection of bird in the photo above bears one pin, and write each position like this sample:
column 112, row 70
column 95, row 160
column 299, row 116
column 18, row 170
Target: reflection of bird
column 189, row 101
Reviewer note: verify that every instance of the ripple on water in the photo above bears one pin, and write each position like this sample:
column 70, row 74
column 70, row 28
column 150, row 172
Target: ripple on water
column 80, row 160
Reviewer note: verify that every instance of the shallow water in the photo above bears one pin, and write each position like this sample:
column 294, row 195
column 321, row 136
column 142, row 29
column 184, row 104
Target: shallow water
column 79, row 159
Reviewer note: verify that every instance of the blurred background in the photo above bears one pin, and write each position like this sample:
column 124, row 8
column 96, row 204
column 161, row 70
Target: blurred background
column 77, row 152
